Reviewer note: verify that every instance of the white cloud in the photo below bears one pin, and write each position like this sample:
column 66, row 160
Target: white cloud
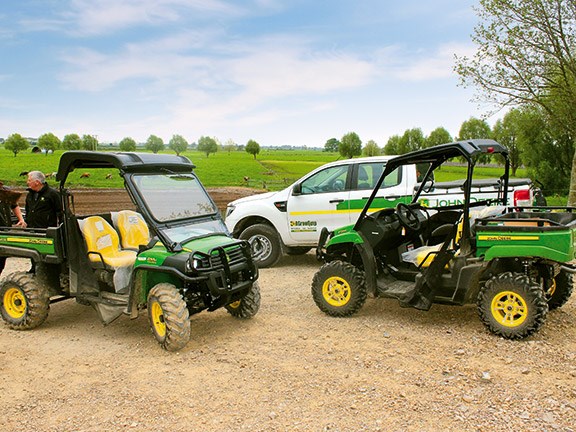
column 93, row 17
column 396, row 63
column 242, row 80
column 103, row 17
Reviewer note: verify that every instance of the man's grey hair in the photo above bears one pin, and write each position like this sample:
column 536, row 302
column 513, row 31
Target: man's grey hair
column 37, row 175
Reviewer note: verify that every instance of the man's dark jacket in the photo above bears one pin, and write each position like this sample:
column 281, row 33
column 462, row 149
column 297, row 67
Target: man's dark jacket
column 43, row 208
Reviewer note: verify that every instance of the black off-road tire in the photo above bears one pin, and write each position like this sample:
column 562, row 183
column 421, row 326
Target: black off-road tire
column 24, row 303
column 264, row 243
column 248, row 305
column 560, row 290
column 512, row 305
column 169, row 317
column 339, row 289
column 296, row 250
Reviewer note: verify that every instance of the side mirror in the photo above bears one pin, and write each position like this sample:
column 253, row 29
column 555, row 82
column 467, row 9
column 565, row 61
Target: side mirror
column 297, row 189
column 428, row 186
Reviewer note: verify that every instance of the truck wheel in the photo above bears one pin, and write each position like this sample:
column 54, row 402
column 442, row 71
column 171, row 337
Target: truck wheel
column 265, row 244
column 560, row 290
column 248, row 305
column 339, row 289
column 296, row 250
column 169, row 317
column 24, row 302
column 512, row 305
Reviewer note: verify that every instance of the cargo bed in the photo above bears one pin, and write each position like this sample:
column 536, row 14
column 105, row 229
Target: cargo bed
column 543, row 234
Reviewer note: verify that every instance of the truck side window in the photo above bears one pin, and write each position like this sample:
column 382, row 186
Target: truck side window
column 368, row 175
column 392, row 179
column 331, row 179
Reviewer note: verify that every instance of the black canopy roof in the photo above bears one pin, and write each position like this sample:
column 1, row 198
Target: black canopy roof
column 467, row 149
column 126, row 162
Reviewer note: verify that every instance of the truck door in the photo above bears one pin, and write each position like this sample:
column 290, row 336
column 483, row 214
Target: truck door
column 320, row 200
column 393, row 190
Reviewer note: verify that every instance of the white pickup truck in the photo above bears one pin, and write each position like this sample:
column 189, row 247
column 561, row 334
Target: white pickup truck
column 333, row 195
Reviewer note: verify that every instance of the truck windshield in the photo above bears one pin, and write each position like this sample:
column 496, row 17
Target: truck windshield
column 174, row 196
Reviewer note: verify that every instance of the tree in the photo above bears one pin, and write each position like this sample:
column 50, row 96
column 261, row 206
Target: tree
column 350, row 145
column 127, row 144
column 393, row 145
column 371, row 149
column 474, row 128
column 72, row 142
column 506, row 132
column 413, row 139
column 178, row 143
column 332, row 145
column 89, row 142
column 49, row 142
column 207, row 145
column 547, row 151
column 525, row 56
column 154, row 144
column 438, row 136
column 230, row 145
column 253, row 148
column 16, row 143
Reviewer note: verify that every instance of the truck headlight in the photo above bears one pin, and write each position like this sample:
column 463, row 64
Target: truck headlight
column 229, row 210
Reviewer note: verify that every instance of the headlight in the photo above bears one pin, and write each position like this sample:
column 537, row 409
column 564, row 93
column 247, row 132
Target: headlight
column 193, row 263
column 229, row 210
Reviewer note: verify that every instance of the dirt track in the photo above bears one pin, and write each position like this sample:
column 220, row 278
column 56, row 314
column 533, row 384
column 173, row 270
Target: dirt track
column 290, row 368
column 94, row 201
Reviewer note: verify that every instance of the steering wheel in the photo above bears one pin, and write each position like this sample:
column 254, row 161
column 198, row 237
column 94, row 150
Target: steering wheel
column 338, row 185
column 408, row 217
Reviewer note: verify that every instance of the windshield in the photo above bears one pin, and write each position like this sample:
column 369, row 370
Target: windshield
column 174, row 196
column 193, row 230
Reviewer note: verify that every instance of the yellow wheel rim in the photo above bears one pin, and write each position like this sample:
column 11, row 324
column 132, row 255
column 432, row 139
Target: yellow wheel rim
column 14, row 303
column 336, row 291
column 235, row 304
column 509, row 309
column 157, row 316
column 551, row 289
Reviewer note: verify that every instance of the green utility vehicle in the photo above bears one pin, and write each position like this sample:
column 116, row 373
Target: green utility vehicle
column 172, row 256
column 514, row 263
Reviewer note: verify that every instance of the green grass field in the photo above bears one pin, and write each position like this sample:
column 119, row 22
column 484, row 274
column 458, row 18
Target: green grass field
column 272, row 169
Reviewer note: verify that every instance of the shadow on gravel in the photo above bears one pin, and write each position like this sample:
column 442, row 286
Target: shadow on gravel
column 307, row 260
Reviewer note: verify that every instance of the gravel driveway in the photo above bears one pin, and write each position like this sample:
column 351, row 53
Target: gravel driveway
column 291, row 368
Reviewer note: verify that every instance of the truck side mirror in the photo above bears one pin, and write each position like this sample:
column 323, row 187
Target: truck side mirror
column 297, row 189
column 428, row 186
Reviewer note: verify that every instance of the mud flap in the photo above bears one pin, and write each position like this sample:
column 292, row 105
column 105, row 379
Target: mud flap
column 108, row 312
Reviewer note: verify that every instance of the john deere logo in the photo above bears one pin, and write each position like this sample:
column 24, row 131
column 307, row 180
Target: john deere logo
column 507, row 238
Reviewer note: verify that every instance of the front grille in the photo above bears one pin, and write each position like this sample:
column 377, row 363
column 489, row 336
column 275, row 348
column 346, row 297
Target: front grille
column 233, row 255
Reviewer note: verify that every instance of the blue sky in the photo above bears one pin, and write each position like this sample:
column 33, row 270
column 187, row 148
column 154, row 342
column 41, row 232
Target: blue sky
column 281, row 72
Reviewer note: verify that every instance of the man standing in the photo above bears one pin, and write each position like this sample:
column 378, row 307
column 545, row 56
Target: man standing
column 43, row 206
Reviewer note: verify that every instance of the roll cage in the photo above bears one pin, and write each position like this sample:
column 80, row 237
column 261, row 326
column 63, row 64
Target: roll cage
column 435, row 156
